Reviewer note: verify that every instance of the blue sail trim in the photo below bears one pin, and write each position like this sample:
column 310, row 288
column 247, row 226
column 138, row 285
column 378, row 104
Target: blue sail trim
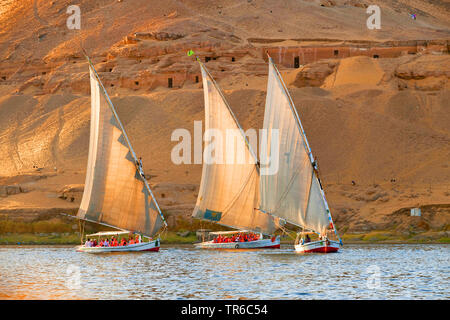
column 212, row 215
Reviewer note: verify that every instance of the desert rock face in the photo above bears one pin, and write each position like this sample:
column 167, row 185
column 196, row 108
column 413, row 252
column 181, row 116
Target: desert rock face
column 374, row 103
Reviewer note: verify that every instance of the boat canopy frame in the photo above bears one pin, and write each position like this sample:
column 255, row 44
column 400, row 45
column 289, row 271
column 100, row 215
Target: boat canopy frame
column 108, row 233
column 232, row 232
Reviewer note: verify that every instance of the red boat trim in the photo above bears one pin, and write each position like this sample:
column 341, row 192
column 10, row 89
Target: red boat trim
column 322, row 250
column 155, row 249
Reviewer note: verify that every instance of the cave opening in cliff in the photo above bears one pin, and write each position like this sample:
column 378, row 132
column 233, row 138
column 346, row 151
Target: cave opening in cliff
column 170, row 83
column 296, row 62
column 336, row 52
column 233, row 59
column 375, row 56
column 207, row 59
column 136, row 83
column 196, row 79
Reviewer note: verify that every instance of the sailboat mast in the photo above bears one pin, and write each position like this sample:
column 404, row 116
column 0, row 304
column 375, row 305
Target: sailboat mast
column 110, row 104
column 305, row 142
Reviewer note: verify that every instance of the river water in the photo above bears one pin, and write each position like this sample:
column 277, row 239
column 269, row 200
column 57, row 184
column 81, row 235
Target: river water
column 384, row 271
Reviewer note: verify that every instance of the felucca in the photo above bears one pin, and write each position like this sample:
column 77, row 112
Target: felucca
column 116, row 192
column 229, row 191
column 294, row 193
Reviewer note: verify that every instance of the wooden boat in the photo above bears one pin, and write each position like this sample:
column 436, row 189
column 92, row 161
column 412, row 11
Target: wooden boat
column 116, row 192
column 261, row 243
column 229, row 190
column 294, row 193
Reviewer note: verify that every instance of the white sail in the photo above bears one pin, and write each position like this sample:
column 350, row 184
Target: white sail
column 293, row 192
column 115, row 193
column 228, row 193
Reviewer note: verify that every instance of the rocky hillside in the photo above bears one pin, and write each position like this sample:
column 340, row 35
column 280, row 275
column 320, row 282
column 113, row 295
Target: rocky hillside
column 374, row 103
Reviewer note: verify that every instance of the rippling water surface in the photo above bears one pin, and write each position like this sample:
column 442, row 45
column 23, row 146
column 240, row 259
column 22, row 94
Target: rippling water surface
column 183, row 272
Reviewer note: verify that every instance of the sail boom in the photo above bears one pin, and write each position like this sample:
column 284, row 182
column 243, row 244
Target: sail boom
column 277, row 216
column 96, row 222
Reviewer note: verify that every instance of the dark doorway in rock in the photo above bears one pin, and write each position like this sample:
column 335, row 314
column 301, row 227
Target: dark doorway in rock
column 196, row 79
column 233, row 59
column 170, row 83
column 336, row 53
column 375, row 56
column 297, row 62
column 207, row 59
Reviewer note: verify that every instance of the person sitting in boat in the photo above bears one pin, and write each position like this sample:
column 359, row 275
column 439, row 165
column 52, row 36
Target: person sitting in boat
column 123, row 242
column 130, row 240
column 136, row 240
column 307, row 239
column 88, row 243
column 106, row 243
column 113, row 242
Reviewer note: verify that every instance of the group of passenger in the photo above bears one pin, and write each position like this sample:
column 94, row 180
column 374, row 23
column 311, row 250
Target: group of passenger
column 239, row 237
column 113, row 242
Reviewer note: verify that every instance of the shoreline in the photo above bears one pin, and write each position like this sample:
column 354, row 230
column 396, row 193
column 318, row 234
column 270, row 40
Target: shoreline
column 64, row 239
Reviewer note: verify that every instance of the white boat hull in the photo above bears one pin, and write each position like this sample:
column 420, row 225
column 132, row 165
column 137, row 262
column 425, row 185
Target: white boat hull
column 143, row 246
column 321, row 246
column 257, row 244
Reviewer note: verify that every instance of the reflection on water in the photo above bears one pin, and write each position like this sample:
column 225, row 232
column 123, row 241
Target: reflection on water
column 183, row 272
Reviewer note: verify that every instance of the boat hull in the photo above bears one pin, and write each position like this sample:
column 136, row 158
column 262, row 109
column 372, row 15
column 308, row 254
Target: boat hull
column 138, row 247
column 257, row 244
column 321, row 246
